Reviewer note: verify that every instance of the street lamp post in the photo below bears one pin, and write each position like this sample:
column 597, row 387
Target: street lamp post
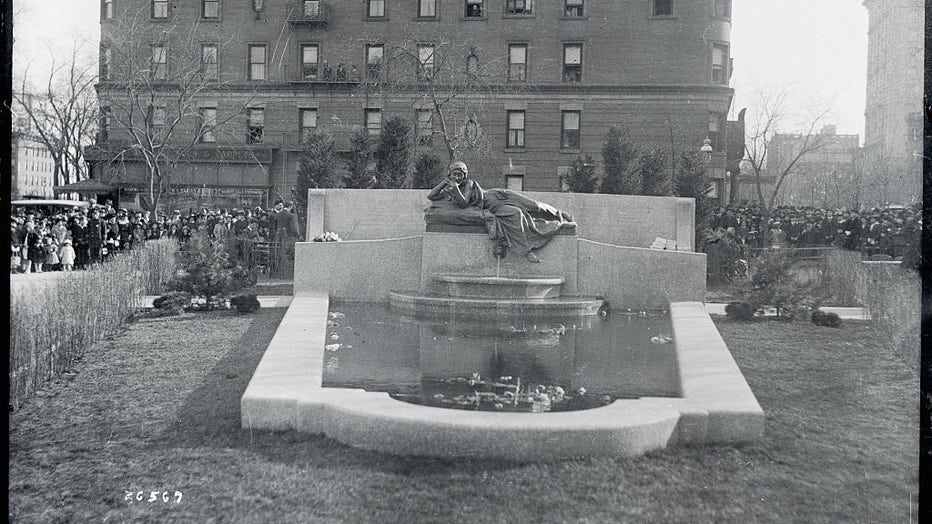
column 706, row 152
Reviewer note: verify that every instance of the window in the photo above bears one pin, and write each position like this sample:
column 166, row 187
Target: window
column 208, row 123
column 159, row 68
column 425, row 125
column 573, row 8
column 257, row 62
column 309, row 61
column 570, row 134
column 376, row 8
column 374, row 54
column 425, row 58
column 572, row 62
column 103, row 133
column 720, row 63
column 255, row 123
column 156, row 119
column 472, row 65
column 723, row 8
column 374, row 121
column 716, row 130
column 106, row 9
column 514, row 182
column 475, row 8
column 515, row 129
column 210, row 8
column 159, row 8
column 663, row 8
column 427, row 8
column 519, row 7
column 209, row 67
column 308, row 123
column 311, row 8
column 517, row 62
column 106, row 54
column 472, row 130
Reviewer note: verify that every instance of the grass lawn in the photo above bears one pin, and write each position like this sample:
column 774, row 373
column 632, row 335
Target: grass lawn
column 157, row 408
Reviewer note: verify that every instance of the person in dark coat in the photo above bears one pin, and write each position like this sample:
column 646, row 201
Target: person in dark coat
column 95, row 237
column 282, row 223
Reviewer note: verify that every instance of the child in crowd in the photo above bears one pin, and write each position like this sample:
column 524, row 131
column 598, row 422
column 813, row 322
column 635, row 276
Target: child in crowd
column 66, row 255
column 51, row 253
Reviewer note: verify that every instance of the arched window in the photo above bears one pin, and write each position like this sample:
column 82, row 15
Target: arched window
column 472, row 130
column 472, row 64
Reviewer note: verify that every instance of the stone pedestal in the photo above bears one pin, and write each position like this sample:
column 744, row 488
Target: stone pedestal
column 471, row 254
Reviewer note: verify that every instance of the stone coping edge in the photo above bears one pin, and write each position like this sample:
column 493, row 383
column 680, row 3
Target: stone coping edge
column 285, row 394
column 501, row 281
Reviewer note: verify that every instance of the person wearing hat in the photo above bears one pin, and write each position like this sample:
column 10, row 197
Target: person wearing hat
column 282, row 223
column 95, row 237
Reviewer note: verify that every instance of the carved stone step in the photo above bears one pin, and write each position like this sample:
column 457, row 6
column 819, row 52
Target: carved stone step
column 474, row 286
column 414, row 302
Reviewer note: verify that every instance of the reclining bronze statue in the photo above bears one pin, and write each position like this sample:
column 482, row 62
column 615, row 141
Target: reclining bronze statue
column 513, row 221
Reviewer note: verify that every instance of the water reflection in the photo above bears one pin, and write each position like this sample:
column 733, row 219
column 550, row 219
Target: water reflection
column 431, row 361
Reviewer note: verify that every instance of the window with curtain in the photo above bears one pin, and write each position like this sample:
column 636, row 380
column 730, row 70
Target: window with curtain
column 570, row 133
column 256, row 125
column 308, row 123
column 515, row 129
column 517, row 62
column 572, row 62
column 257, row 60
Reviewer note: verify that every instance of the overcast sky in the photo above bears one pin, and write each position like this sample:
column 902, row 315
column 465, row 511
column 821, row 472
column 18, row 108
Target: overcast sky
column 815, row 49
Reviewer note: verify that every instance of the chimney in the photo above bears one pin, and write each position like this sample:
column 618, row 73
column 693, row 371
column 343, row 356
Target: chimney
column 828, row 129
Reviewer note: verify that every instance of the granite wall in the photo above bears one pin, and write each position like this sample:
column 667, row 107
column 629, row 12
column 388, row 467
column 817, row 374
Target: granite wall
column 621, row 220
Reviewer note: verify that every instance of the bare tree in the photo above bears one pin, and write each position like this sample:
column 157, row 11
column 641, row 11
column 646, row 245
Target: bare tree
column 62, row 115
column 450, row 80
column 772, row 115
column 157, row 79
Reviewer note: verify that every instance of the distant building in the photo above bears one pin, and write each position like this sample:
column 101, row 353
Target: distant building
column 32, row 170
column 562, row 73
column 893, row 116
column 820, row 178
column 824, row 177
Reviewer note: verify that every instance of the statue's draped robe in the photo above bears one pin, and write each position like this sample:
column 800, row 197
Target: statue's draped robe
column 521, row 223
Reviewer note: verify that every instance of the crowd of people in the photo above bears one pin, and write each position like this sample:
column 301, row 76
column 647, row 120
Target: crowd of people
column 80, row 237
column 878, row 231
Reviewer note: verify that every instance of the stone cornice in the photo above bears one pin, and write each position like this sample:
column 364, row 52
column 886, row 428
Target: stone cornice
column 498, row 90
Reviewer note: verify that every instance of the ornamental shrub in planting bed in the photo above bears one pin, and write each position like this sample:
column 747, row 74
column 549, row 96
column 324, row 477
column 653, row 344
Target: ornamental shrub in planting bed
column 211, row 270
column 53, row 323
column 245, row 303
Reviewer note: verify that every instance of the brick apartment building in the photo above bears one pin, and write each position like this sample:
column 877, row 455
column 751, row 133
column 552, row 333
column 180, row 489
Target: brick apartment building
column 563, row 72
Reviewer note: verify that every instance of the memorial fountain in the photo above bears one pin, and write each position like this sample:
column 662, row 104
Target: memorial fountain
column 443, row 271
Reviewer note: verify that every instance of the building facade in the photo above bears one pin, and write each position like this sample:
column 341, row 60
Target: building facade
column 827, row 176
column 823, row 177
column 893, row 116
column 542, row 83
column 32, row 170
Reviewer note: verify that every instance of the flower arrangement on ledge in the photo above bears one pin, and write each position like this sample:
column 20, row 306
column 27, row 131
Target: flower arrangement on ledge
column 327, row 236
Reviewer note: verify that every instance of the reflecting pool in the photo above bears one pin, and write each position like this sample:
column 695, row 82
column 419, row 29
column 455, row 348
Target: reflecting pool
column 507, row 364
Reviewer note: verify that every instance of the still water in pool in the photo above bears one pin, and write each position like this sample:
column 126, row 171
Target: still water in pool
column 508, row 364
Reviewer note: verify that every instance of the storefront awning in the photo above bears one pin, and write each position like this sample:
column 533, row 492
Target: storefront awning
column 85, row 187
